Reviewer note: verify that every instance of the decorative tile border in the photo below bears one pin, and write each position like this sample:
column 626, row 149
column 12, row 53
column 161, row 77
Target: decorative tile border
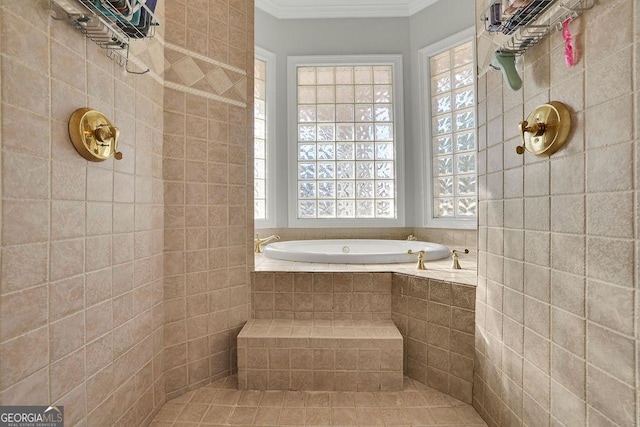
column 187, row 73
column 200, row 75
column 179, row 87
column 204, row 58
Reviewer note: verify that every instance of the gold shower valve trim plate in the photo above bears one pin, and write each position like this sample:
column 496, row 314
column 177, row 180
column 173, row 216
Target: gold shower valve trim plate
column 93, row 135
column 545, row 130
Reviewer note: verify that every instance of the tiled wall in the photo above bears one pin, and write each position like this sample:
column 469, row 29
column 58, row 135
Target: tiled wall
column 208, row 107
column 394, row 233
column 556, row 339
column 436, row 320
column 81, row 312
column 321, row 296
column 450, row 237
column 453, row 238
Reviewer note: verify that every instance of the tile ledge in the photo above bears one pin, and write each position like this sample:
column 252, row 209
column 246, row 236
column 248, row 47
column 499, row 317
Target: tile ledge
column 439, row 270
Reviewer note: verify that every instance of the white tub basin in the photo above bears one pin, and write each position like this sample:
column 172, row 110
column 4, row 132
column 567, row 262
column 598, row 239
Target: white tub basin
column 354, row 251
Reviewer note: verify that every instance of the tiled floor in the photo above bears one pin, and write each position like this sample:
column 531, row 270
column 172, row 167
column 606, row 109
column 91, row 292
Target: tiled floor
column 222, row 404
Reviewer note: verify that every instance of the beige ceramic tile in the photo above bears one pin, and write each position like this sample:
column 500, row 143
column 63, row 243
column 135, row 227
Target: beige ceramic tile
column 66, row 335
column 610, row 396
column 67, row 373
column 613, row 353
column 66, row 258
column 614, row 163
column 67, row 219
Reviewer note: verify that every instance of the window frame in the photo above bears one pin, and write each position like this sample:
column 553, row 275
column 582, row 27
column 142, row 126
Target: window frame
column 269, row 58
column 427, row 182
column 293, row 62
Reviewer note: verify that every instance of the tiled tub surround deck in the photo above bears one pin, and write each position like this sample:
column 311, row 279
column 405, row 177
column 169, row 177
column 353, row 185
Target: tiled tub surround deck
column 321, row 355
column 440, row 269
column 221, row 404
column 434, row 317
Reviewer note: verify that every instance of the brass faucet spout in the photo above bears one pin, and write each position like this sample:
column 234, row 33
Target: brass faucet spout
column 258, row 242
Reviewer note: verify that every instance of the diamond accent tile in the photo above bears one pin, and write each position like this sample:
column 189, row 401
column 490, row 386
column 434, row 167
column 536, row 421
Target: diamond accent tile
column 241, row 89
column 205, row 75
column 188, row 71
column 219, row 81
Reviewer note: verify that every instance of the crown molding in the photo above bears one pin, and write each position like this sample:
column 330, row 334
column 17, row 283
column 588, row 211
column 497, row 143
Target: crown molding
column 288, row 9
column 416, row 6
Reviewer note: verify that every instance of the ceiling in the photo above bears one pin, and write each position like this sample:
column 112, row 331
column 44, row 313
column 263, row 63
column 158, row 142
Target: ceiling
column 296, row 9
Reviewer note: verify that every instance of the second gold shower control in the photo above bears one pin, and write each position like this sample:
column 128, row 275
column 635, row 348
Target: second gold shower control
column 545, row 130
column 93, row 135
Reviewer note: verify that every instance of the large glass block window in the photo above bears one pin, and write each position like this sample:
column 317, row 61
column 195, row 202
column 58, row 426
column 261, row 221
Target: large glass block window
column 260, row 141
column 345, row 142
column 453, row 132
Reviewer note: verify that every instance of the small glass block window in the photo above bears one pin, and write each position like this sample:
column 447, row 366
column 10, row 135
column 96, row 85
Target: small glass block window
column 260, row 141
column 453, row 132
column 346, row 142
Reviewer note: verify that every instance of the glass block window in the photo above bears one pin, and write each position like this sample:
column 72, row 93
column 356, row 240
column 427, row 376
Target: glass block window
column 260, row 141
column 345, row 142
column 453, row 132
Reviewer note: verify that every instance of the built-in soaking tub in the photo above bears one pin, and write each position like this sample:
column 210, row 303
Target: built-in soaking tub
column 354, row 251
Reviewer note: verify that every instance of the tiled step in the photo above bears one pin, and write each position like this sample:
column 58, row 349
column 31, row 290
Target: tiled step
column 322, row 355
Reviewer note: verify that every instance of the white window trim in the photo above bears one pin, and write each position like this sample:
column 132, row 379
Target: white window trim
column 270, row 174
column 330, row 60
column 425, row 142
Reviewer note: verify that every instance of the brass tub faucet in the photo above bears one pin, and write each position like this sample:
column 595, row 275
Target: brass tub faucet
column 258, row 242
column 455, row 264
column 420, row 265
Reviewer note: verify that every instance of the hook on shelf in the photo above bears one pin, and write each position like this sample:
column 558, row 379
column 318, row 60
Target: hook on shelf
column 572, row 12
column 123, row 61
column 139, row 73
column 578, row 8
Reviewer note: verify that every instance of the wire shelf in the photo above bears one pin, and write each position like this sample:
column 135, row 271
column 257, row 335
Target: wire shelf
column 530, row 24
column 109, row 27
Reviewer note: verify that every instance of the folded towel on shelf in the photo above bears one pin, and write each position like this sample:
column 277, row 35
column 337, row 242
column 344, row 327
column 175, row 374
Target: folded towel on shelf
column 140, row 28
column 127, row 11
column 134, row 17
column 525, row 15
column 122, row 6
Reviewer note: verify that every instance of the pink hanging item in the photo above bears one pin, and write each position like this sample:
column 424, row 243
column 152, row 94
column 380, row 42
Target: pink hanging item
column 569, row 52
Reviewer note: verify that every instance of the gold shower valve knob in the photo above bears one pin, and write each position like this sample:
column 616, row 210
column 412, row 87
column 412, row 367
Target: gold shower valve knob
column 93, row 135
column 545, row 130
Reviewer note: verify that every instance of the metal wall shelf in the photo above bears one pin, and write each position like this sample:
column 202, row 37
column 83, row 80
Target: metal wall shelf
column 102, row 23
column 529, row 25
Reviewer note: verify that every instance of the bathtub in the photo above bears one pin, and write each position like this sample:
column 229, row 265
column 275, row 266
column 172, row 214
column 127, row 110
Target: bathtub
column 354, row 251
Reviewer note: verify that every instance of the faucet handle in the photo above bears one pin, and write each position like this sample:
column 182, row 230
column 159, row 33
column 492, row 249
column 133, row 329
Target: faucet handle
column 455, row 251
column 420, row 265
column 257, row 247
column 455, row 264
column 258, row 242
